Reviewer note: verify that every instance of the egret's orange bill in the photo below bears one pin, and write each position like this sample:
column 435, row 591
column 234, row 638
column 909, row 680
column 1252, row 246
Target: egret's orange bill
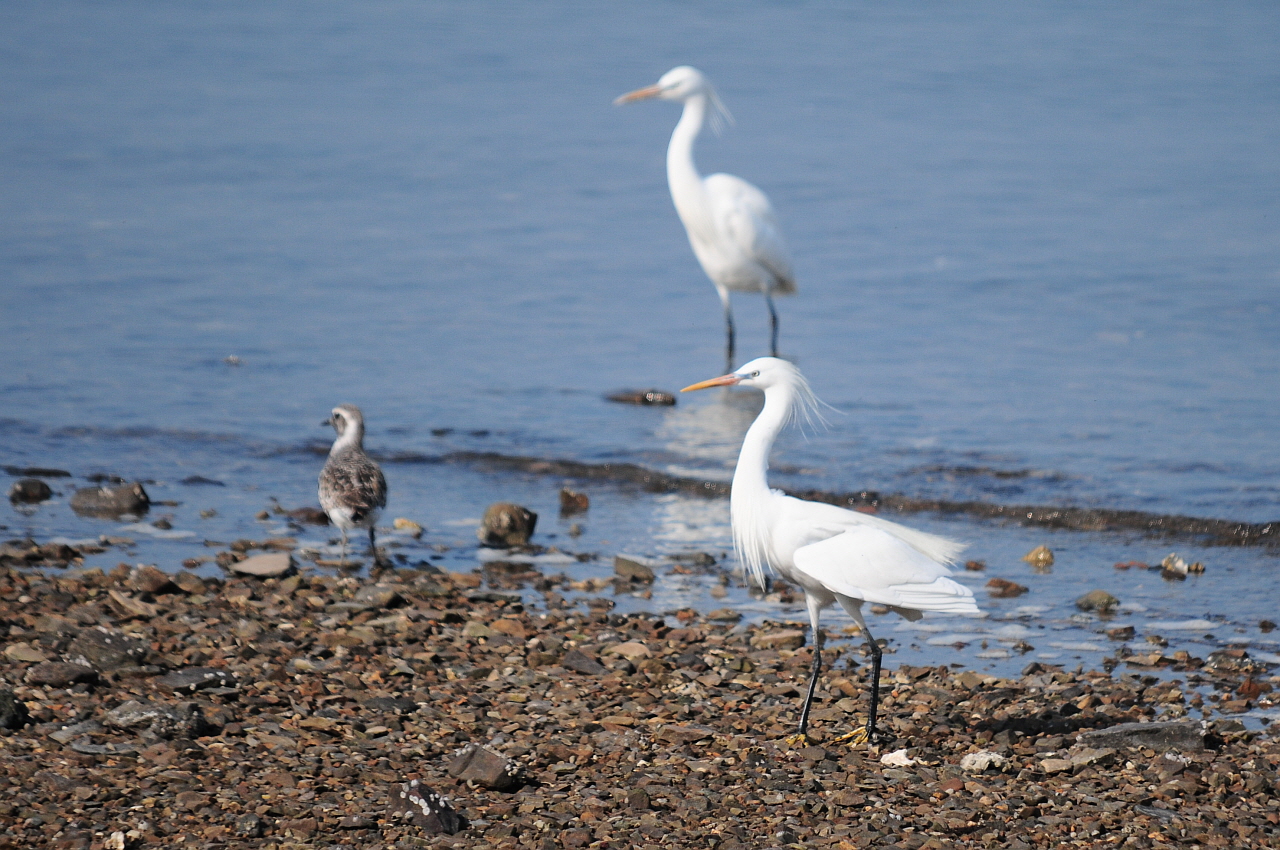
column 722, row 381
column 639, row 94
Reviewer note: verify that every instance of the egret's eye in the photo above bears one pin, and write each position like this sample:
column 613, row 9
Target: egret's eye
column 755, row 374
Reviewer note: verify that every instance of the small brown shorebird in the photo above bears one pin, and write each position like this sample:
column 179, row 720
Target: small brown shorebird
column 353, row 491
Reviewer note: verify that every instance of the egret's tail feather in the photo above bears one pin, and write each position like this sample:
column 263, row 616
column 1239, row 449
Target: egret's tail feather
column 943, row 595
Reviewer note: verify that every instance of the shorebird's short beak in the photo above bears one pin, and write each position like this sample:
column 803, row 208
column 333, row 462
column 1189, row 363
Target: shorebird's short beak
column 722, row 381
column 328, row 421
column 639, row 94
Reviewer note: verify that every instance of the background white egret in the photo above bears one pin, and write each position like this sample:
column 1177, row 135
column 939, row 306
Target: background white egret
column 730, row 223
column 353, row 491
column 834, row 554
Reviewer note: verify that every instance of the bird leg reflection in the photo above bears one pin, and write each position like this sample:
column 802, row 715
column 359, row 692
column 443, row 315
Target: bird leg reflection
column 773, row 324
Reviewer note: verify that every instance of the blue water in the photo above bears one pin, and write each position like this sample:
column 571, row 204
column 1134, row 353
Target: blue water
column 1034, row 239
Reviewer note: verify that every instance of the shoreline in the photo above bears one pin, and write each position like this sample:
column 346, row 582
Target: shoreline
column 291, row 711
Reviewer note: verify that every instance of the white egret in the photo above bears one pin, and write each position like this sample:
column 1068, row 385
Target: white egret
column 353, row 491
column 833, row 554
column 730, row 223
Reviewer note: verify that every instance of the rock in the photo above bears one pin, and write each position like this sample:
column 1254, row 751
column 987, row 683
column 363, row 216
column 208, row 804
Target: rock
column 377, row 596
column 685, row 733
column 194, row 679
column 420, row 806
column 147, row 579
column 188, row 582
column 1121, row 633
column 266, row 565
column 111, row 502
column 975, row 566
column 29, row 491
column 642, row 397
column 631, row 650
column 1039, row 557
column 24, row 653
column 308, row 516
column 786, row 639
column 60, row 674
column 407, row 526
column 13, row 712
column 478, row 763
column 982, row 761
column 128, row 606
column 164, row 721
column 572, row 502
column 506, row 525
column 36, row 472
column 638, row 798
column 579, row 661
column 1091, row 755
column 249, row 826
column 105, row 651
column 724, row 615
column 897, row 758
column 1002, row 588
column 1097, row 600
column 632, row 569
column 1053, row 765
column 1182, row 735
column 67, row 734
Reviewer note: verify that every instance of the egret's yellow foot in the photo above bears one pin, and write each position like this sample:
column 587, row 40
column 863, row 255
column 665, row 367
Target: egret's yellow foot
column 797, row 740
column 856, row 738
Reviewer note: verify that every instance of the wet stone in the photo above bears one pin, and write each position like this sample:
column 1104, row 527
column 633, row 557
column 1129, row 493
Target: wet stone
column 29, row 491
column 266, row 565
column 572, row 502
column 1002, row 588
column 643, row 397
column 106, row 651
column 60, row 674
column 1181, row 735
column 111, row 502
column 1097, row 600
column 632, row 569
column 192, row 679
column 422, row 807
column 148, row 579
column 506, row 525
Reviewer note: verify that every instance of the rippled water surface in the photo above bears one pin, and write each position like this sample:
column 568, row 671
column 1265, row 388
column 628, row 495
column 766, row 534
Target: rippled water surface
column 1038, row 251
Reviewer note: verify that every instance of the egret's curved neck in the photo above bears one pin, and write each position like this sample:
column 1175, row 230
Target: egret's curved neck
column 682, row 174
column 750, row 478
column 351, row 438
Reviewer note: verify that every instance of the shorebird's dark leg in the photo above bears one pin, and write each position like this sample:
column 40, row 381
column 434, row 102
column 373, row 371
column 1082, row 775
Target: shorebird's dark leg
column 773, row 324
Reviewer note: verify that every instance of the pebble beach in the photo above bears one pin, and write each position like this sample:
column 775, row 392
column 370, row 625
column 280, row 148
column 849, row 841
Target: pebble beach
column 315, row 709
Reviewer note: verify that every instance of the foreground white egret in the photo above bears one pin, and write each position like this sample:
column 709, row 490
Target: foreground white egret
column 730, row 223
column 834, row 554
column 353, row 491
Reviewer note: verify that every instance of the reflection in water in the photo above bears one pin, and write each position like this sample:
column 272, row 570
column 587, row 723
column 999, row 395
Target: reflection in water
column 712, row 428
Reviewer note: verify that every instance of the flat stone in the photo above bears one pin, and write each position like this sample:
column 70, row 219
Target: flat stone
column 67, row 734
column 786, row 639
column 685, row 733
column 149, row 579
column 631, row 650
column 60, row 674
column 106, row 651
column 418, row 805
column 985, row 760
column 266, row 565
column 192, row 679
column 580, row 662
column 377, row 596
column 111, row 502
column 1055, row 765
column 13, row 712
column 632, row 569
column 164, row 721
column 478, row 763
column 1182, row 735
column 24, row 653
column 725, row 615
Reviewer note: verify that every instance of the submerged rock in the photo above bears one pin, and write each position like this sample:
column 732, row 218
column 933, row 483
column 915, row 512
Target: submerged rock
column 506, row 524
column 1002, row 588
column 111, row 502
column 29, row 491
column 643, row 397
column 1040, row 557
column 632, row 569
column 1097, row 600
column 572, row 502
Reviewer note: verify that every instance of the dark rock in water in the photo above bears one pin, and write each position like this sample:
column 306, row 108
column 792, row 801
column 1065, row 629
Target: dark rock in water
column 572, row 502
column 506, row 524
column 36, row 472
column 192, row 480
column 632, row 569
column 60, row 674
column 308, row 516
column 29, row 491
column 111, row 502
column 1097, row 600
column 658, row 397
column 1002, row 588
column 194, row 679
column 478, row 763
column 13, row 712
column 106, row 651
column 425, row 809
column 1184, row 735
column 579, row 661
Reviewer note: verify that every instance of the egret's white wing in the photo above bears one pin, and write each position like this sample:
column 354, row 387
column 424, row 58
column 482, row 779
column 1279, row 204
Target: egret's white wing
column 744, row 216
column 869, row 563
column 819, row 521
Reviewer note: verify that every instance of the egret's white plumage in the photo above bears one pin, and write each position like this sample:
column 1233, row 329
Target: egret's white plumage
column 731, row 225
column 833, row 554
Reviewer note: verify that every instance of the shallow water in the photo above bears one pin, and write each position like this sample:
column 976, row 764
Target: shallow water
column 1038, row 251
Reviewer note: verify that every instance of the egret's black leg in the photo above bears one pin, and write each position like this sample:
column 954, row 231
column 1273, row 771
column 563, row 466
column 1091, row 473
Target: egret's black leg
column 875, row 687
column 729, row 336
column 773, row 325
column 813, row 683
